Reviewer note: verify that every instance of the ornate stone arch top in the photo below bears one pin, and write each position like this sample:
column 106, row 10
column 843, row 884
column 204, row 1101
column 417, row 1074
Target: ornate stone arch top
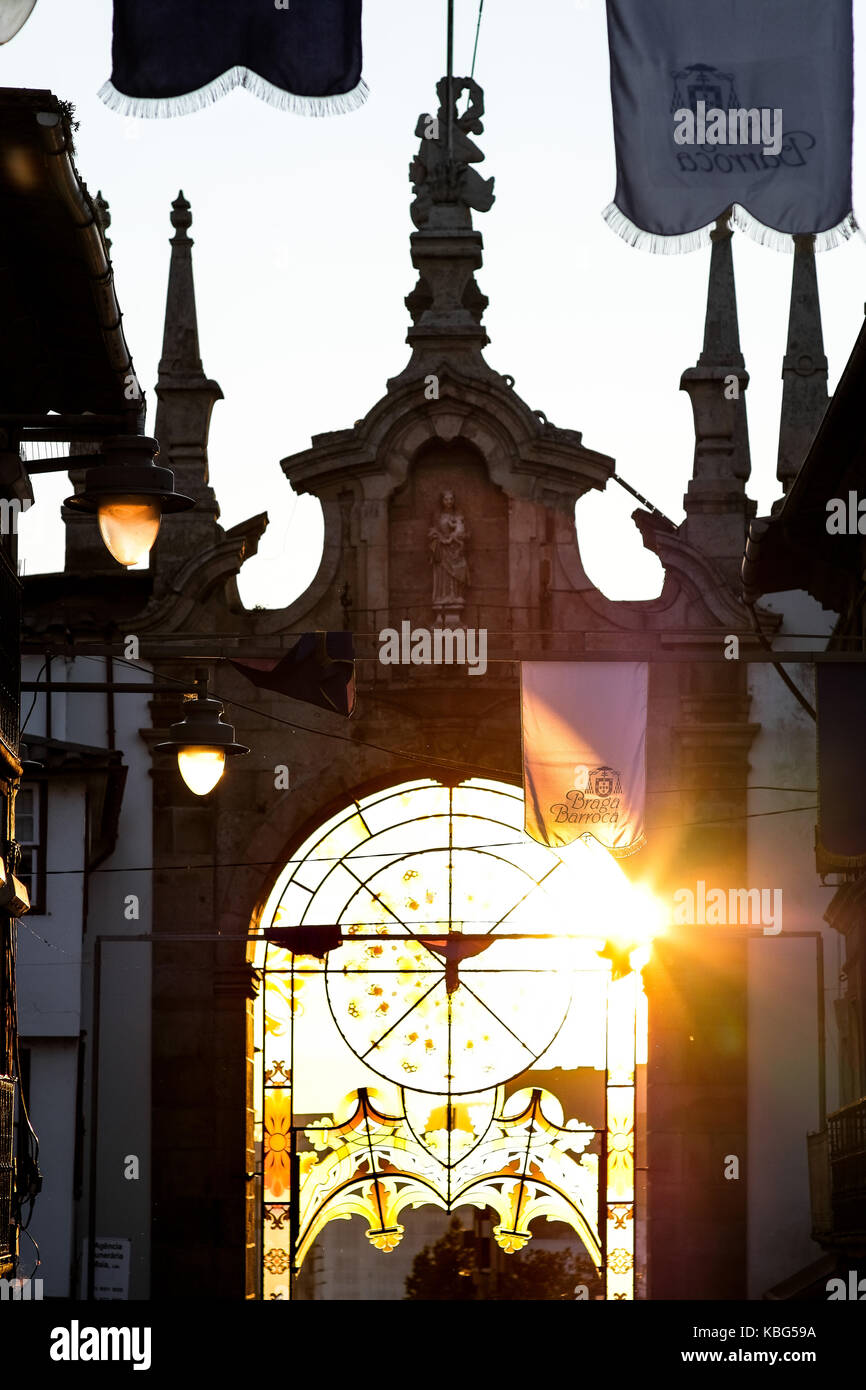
column 503, row 454
column 525, row 455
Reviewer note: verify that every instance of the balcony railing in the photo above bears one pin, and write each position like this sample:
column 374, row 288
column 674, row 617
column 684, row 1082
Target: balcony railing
column 837, row 1178
column 819, row 1184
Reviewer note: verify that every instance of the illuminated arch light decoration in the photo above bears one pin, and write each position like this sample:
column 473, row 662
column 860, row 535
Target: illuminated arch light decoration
column 429, row 1027
column 508, row 1155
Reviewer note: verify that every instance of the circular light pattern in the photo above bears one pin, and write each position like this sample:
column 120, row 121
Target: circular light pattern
column 435, row 987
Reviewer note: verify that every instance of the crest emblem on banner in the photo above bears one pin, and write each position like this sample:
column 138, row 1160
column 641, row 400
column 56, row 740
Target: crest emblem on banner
column 703, row 83
column 604, row 782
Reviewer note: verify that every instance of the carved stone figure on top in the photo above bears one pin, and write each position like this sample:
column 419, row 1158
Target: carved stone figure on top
column 438, row 177
column 446, row 543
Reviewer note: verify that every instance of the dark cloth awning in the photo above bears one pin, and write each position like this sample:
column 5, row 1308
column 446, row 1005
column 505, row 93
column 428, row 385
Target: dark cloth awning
column 62, row 346
column 793, row 549
column 841, row 700
column 319, row 670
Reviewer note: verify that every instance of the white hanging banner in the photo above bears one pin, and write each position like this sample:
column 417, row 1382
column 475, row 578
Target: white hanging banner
column 14, row 14
column 584, row 751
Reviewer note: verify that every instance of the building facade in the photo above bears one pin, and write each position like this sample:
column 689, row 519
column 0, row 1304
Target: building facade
column 65, row 371
column 732, row 1078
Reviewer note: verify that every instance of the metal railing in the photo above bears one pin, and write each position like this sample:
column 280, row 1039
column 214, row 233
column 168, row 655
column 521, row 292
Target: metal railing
column 819, row 1184
column 837, row 1177
column 847, row 1130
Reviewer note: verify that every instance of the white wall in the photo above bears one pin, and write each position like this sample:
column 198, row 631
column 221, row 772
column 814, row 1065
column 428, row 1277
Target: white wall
column 783, row 1044
column 49, row 945
column 53, row 1072
column 55, row 975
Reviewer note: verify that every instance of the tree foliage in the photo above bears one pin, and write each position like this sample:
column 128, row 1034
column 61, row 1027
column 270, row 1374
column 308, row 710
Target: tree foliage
column 449, row 1270
column 444, row 1269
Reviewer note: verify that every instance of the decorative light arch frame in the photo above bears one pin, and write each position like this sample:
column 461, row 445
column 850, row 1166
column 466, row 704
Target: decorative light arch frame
column 392, row 903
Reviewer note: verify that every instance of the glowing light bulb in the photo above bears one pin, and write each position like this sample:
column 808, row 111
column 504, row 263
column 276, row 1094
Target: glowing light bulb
column 201, row 768
column 129, row 526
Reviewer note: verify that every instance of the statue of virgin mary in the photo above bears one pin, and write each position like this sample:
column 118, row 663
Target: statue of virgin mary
column 447, row 540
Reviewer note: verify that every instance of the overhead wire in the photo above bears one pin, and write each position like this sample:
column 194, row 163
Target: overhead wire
column 477, row 32
column 777, row 665
column 336, row 859
column 35, row 698
column 428, row 760
column 512, row 632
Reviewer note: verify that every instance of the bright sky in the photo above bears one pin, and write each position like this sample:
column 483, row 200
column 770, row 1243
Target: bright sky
column 302, row 263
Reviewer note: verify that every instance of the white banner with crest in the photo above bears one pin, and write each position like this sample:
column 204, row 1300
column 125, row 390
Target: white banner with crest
column 584, row 751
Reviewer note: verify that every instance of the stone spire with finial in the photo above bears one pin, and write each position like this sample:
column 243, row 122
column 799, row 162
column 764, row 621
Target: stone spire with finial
column 717, row 508
column 804, row 370
column 185, row 398
column 446, row 304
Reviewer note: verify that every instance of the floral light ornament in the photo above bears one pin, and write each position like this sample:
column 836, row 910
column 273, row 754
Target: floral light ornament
column 524, row 1164
column 277, row 1142
column 510, row 1241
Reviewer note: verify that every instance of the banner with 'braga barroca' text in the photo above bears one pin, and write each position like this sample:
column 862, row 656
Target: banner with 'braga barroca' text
column 584, row 751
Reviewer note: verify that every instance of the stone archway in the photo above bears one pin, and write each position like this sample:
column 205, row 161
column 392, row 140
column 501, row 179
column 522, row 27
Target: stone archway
column 406, row 1046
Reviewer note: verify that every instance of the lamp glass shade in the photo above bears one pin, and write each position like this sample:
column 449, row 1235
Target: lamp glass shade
column 201, row 767
column 129, row 526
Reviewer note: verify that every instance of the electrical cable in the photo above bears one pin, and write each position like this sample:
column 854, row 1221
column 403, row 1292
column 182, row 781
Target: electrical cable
column 210, row 865
column 35, row 1245
column 427, row 760
column 76, row 960
column 451, row 764
column 35, row 698
column 777, row 666
column 174, row 682
column 477, row 32
column 106, row 649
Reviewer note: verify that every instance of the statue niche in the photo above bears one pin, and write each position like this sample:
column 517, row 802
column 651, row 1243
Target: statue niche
column 447, row 540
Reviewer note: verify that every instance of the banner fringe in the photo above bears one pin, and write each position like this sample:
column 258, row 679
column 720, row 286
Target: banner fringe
column 624, row 851
column 657, row 244
column 161, row 107
column 651, row 241
column 828, row 240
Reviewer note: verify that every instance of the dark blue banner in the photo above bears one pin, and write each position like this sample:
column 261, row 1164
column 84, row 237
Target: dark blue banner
column 721, row 103
column 170, row 57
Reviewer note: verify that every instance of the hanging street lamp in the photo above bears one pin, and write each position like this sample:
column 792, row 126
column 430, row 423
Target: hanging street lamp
column 202, row 741
column 129, row 494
